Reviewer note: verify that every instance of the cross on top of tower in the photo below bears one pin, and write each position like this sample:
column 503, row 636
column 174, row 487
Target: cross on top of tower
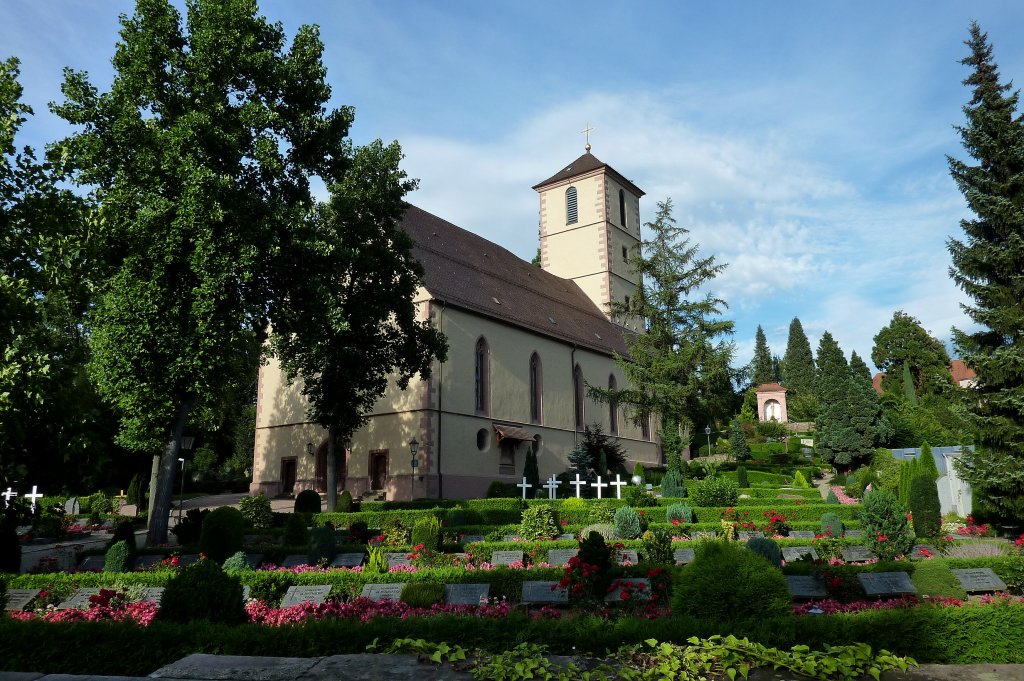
column 586, row 131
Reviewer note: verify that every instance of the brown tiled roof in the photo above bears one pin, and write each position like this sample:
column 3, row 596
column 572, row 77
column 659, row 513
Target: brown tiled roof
column 876, row 382
column 470, row 272
column 771, row 388
column 585, row 164
column 960, row 371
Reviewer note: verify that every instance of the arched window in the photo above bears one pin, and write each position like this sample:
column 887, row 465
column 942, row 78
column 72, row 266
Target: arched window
column 483, row 377
column 536, row 389
column 572, row 215
column 622, row 208
column 613, row 408
column 579, row 396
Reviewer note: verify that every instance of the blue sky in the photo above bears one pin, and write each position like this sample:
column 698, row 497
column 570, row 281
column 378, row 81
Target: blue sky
column 803, row 143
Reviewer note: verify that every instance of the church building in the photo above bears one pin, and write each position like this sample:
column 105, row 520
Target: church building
column 524, row 343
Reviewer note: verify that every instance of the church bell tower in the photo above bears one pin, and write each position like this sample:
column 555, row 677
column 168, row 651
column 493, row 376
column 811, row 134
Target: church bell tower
column 590, row 229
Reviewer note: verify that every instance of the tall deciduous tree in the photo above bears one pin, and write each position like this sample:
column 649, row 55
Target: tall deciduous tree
column 798, row 373
column 201, row 155
column 987, row 265
column 763, row 369
column 905, row 343
column 679, row 368
column 351, row 325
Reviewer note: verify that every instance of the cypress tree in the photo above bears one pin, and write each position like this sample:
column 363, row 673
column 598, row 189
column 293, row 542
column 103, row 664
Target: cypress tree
column 530, row 469
column 909, row 394
column 738, row 441
column 987, row 265
column 926, row 464
column 798, row 373
column 924, row 505
column 763, row 371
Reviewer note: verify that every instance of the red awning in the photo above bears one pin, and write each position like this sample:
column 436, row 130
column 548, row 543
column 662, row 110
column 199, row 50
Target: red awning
column 512, row 433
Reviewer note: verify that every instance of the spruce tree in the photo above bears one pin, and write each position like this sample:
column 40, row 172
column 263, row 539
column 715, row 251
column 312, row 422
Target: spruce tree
column 987, row 265
column 864, row 410
column 798, row 373
column 834, row 435
column 738, row 441
column 763, row 371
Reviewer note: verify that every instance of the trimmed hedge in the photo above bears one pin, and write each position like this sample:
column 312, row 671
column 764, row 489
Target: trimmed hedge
column 972, row 635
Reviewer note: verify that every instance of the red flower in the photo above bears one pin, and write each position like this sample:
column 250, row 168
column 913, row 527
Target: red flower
column 882, row 537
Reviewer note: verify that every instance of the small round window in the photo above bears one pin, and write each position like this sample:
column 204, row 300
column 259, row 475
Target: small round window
column 482, row 439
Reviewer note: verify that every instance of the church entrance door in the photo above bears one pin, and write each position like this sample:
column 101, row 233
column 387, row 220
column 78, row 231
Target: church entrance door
column 378, row 469
column 288, row 470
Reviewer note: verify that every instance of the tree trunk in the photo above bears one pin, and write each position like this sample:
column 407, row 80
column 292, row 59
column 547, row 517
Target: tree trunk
column 332, row 472
column 161, row 505
column 154, row 470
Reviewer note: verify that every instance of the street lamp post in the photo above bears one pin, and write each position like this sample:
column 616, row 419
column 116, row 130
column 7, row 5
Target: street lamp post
column 707, row 431
column 414, row 447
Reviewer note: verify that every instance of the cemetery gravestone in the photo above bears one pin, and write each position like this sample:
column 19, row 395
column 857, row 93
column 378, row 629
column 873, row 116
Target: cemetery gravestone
column 72, row 506
column 627, row 556
column 512, row 537
column 683, row 556
column 383, row 592
column 17, row 599
column 148, row 560
column 561, row 556
column 805, row 586
column 347, row 560
column 294, row 560
column 465, row 594
column 801, row 534
column 93, row 563
column 979, row 580
column 887, row 584
column 506, row 557
column 253, row 559
column 470, row 538
column 566, row 536
column 794, row 553
column 152, row 594
column 922, row 551
column 638, row 588
column 398, row 559
column 544, row 592
column 297, row 595
column 80, row 600
column 854, row 534
column 857, row 554
column 747, row 536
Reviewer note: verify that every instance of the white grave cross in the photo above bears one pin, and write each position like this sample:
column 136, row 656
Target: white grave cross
column 599, row 485
column 33, row 497
column 551, row 485
column 619, row 482
column 577, row 483
column 8, row 495
column 524, row 485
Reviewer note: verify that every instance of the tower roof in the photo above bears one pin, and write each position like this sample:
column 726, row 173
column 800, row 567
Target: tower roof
column 585, row 164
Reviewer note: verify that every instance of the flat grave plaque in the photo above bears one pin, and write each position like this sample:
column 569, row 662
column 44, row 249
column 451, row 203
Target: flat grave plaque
column 800, row 534
column 641, row 590
column 979, row 580
column 347, row 560
column 627, row 556
column 294, row 560
column 805, row 586
column 93, row 563
column 544, row 592
column 887, row 584
column 470, row 538
column 465, row 594
column 297, row 595
column 916, row 552
column 460, row 556
column 566, row 536
column 383, row 592
column 148, row 560
column 683, row 556
column 512, row 537
column 854, row 534
column 397, row 559
column 794, row 553
column 17, row 599
column 152, row 594
column 80, row 600
column 747, row 536
column 253, row 559
column 561, row 556
column 506, row 557
column 858, row 554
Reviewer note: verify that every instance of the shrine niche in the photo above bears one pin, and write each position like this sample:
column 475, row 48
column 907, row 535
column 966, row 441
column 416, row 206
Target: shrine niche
column 771, row 403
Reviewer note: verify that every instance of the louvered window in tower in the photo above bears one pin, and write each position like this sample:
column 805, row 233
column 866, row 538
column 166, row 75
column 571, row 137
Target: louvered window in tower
column 579, row 396
column 613, row 407
column 622, row 208
column 536, row 383
column 572, row 215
